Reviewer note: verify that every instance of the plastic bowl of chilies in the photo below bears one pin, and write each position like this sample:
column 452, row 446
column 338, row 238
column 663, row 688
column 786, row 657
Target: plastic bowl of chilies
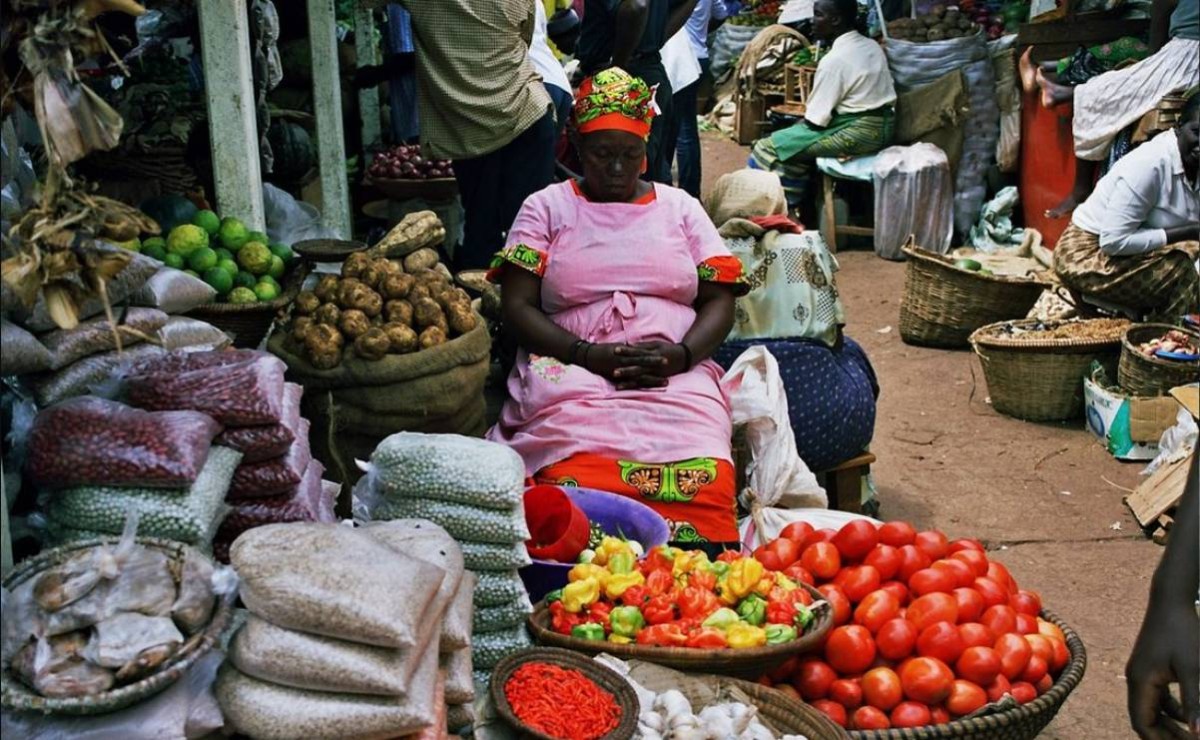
column 618, row 516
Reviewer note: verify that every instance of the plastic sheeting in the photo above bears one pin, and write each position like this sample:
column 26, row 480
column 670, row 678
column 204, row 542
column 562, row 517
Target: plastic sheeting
column 914, row 196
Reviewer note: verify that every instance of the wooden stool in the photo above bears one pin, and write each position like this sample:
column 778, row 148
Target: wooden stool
column 843, row 484
column 829, row 227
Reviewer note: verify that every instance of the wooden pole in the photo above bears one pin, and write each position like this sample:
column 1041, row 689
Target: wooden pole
column 366, row 51
column 327, row 106
column 232, row 124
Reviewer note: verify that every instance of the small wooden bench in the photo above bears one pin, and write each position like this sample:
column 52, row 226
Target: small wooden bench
column 843, row 484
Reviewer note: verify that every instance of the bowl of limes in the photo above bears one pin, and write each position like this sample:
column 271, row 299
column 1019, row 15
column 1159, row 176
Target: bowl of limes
column 254, row 277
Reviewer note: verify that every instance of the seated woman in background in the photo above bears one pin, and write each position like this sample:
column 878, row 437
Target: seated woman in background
column 794, row 310
column 618, row 291
column 850, row 111
column 1133, row 242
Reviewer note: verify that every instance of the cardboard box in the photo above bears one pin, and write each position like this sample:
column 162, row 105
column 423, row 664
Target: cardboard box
column 1130, row 426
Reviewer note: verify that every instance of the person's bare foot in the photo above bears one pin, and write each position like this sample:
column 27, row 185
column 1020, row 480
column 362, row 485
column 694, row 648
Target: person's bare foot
column 1053, row 94
column 1063, row 209
column 1028, row 71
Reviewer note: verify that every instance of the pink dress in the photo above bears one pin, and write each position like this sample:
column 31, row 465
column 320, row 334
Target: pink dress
column 615, row 272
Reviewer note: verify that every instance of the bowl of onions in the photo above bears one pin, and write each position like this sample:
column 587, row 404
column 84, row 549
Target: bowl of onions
column 404, row 172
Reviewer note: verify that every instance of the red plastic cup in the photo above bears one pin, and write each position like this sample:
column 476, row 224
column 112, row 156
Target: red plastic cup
column 559, row 529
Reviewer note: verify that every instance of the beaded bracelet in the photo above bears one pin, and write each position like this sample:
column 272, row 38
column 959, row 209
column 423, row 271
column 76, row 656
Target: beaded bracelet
column 687, row 353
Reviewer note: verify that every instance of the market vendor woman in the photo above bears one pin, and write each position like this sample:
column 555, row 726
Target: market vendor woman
column 618, row 291
column 850, row 111
column 1133, row 242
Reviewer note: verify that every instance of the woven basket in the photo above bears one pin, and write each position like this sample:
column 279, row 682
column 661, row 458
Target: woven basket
column 1039, row 379
column 248, row 323
column 943, row 304
column 789, row 716
column 741, row 663
column 604, row 677
column 16, row 696
column 1004, row 720
column 1140, row 375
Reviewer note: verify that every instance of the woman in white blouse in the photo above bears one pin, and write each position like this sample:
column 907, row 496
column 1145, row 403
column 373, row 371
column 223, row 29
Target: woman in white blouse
column 1134, row 242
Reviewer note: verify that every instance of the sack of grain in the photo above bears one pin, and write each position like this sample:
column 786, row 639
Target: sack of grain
column 192, row 335
column 20, row 351
column 96, row 335
column 489, row 648
column 482, row 556
column 459, row 616
column 447, row 467
column 460, row 684
column 499, row 589
column 464, row 523
column 173, row 291
column 503, row 616
column 86, row 375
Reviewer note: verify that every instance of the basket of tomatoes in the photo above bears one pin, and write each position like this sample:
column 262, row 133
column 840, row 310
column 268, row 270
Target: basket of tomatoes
column 677, row 608
column 931, row 637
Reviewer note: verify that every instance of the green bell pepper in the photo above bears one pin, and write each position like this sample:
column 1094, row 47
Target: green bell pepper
column 588, row 631
column 553, row 596
column 753, row 609
column 626, row 621
column 780, row 633
column 722, row 619
column 804, row 616
column 621, row 563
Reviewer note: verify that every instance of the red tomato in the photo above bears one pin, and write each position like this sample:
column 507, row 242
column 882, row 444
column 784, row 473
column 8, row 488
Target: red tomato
column 933, row 543
column 786, row 550
column 1061, row 656
column 818, row 535
column 1035, row 669
column 785, row 670
column 911, row 561
column 803, row 596
column 961, row 545
column 1026, row 602
column 941, row 640
column 970, row 604
column 1000, row 574
column 881, row 688
column 911, row 714
column 964, row 575
column 850, row 649
column 848, row 692
column 991, row 591
column 857, row 581
column 856, row 538
column 813, row 678
column 997, row 689
column 1051, row 630
column 838, row 601
column 939, row 715
column 931, row 581
column 979, row 664
column 870, row 718
column 977, row 560
column 832, row 710
column 799, row 574
column 885, row 559
column 1044, row 684
column 1026, row 625
column 822, row 560
column 965, row 697
column 897, row 534
column 1001, row 618
column 1015, row 653
column 896, row 639
column 932, row 608
column 769, row 560
column 897, row 589
column 1023, row 692
column 927, row 680
column 797, row 532
column 876, row 609
column 1042, row 647
column 975, row 634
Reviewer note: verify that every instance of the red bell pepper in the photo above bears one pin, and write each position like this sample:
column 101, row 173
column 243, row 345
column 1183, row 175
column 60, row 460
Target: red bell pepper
column 662, row 635
column 660, row 582
column 635, row 596
column 697, row 603
column 780, row 612
column 598, row 613
column 561, row 620
column 704, row 579
column 659, row 610
column 659, row 558
column 706, row 637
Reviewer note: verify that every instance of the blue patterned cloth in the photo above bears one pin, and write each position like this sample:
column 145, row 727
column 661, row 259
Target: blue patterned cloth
column 831, row 396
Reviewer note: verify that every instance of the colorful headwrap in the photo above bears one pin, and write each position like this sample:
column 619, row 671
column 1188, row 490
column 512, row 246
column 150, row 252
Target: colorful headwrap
column 614, row 99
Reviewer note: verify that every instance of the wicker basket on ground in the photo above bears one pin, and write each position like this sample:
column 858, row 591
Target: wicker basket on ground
column 943, row 304
column 1005, row 720
column 1140, row 375
column 1035, row 369
column 248, row 323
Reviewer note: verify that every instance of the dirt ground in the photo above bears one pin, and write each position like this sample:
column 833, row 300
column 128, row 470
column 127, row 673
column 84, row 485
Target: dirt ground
column 1045, row 498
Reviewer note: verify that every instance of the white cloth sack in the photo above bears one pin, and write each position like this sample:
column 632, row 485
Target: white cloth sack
column 913, row 195
column 679, row 59
column 777, row 479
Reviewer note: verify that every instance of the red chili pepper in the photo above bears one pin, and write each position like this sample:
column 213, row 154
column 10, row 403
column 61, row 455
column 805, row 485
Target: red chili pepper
column 707, row 637
column 659, row 610
column 697, row 603
column 662, row 635
column 535, row 692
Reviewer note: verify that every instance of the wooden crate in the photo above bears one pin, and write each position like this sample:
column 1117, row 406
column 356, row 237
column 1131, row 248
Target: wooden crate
column 1158, row 495
column 798, row 83
column 751, row 119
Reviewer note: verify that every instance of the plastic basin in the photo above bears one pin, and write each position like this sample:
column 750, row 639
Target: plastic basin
column 556, row 523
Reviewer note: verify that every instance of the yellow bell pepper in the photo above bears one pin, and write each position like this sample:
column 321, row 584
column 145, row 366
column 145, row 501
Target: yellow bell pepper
column 688, row 561
column 743, row 635
column 583, row 571
column 618, row 583
column 787, row 584
column 619, row 639
column 743, row 576
column 580, row 594
column 610, row 546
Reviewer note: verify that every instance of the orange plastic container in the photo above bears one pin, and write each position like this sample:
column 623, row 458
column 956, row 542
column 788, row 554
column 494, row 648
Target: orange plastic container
column 1047, row 165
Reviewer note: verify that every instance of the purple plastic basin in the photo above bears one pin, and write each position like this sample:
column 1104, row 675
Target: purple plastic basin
column 616, row 515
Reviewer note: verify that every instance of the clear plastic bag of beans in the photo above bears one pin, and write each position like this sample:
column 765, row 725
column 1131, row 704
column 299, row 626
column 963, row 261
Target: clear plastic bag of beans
column 263, row 442
column 489, row 648
column 93, row 441
column 302, row 504
column 499, row 589
column 485, row 556
column 237, row 387
column 503, row 616
column 273, row 477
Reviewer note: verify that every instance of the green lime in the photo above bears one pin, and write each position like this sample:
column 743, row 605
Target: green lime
column 258, row 236
column 244, row 279
column 155, row 251
column 207, row 220
column 202, row 259
column 242, row 295
column 224, row 254
column 271, row 281
column 185, row 239
column 968, row 264
column 266, row 291
column 221, row 281
column 277, row 268
column 154, row 241
column 193, row 273
column 228, row 266
column 233, row 234
column 255, row 258
column 173, row 260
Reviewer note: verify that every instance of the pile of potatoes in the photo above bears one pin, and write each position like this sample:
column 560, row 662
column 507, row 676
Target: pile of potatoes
column 380, row 306
column 939, row 24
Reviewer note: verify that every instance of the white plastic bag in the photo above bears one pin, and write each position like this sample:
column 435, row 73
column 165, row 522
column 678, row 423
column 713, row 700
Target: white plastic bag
column 289, row 220
column 913, row 195
column 1176, row 443
column 777, row 478
column 680, row 61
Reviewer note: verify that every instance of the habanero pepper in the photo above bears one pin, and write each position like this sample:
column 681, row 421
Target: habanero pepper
column 584, row 571
column 580, row 594
column 659, row 610
column 626, row 621
column 561, row 620
column 660, row 558
column 777, row 634
column 780, row 611
column 588, row 631
column 615, row 588
column 705, row 579
column 662, row 635
column 753, row 609
column 635, row 596
column 744, row 575
column 553, row 596
column 697, row 603
column 622, row 562
column 723, row 619
column 707, row 637
column 599, row 613
column 660, row 582
column 742, row 635
column 728, row 556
